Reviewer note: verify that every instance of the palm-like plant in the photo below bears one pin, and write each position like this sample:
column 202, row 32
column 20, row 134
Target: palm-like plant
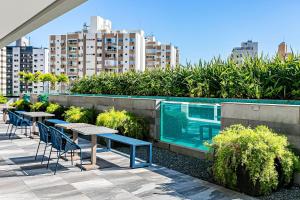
column 62, row 79
column 49, row 78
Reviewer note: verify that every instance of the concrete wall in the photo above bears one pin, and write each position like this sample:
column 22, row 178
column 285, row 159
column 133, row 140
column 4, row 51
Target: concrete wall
column 147, row 108
column 284, row 119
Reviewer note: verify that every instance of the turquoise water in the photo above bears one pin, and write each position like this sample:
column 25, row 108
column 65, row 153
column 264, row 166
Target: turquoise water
column 189, row 124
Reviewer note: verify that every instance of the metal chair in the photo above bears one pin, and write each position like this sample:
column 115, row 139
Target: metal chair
column 44, row 137
column 63, row 144
column 18, row 123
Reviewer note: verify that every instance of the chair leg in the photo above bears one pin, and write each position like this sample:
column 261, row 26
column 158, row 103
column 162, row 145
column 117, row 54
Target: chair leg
column 49, row 157
column 26, row 131
column 56, row 163
column 72, row 157
column 10, row 132
column 44, row 154
column 37, row 150
column 81, row 160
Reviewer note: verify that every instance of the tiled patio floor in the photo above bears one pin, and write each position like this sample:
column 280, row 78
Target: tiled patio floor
column 21, row 177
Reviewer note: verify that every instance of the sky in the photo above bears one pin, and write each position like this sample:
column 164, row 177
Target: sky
column 202, row 29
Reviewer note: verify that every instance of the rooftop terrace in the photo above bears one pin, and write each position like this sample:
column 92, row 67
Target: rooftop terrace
column 23, row 177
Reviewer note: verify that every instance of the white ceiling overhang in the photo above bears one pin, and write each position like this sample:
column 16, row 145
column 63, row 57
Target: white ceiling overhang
column 20, row 17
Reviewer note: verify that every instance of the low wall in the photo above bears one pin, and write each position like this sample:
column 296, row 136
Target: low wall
column 147, row 108
column 284, row 119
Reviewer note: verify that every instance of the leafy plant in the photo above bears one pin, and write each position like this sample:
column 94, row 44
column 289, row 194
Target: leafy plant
column 27, row 78
column 126, row 123
column 62, row 79
column 259, row 78
column 39, row 106
column 56, row 109
column 254, row 161
column 80, row 115
column 3, row 99
column 49, row 78
column 21, row 104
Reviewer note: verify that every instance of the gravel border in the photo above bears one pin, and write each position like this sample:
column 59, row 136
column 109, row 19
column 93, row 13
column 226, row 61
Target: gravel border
column 199, row 168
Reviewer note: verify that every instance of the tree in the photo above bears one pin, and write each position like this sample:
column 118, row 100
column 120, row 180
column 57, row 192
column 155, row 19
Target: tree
column 62, row 79
column 27, row 78
column 49, row 78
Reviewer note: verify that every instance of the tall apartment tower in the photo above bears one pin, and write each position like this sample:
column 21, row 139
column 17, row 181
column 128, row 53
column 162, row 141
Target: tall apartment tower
column 95, row 49
column 247, row 49
column 282, row 52
column 24, row 59
column 160, row 55
column 3, row 71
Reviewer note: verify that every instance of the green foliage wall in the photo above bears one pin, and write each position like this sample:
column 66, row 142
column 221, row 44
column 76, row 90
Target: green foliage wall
column 258, row 78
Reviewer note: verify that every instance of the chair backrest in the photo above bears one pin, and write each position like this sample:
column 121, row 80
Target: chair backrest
column 44, row 132
column 13, row 118
column 56, row 138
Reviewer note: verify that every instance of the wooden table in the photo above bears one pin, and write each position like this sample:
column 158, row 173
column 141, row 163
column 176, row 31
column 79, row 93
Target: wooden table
column 88, row 130
column 35, row 116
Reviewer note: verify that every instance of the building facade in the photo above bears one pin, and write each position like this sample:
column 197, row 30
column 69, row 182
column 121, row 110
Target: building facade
column 24, row 59
column 3, row 71
column 160, row 55
column 247, row 49
column 282, row 52
column 96, row 49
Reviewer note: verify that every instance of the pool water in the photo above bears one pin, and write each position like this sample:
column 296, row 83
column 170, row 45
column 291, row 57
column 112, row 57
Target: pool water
column 189, row 124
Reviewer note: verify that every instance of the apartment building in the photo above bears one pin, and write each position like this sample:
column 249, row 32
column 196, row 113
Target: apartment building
column 27, row 59
column 282, row 51
column 160, row 55
column 247, row 49
column 3, row 71
column 95, row 49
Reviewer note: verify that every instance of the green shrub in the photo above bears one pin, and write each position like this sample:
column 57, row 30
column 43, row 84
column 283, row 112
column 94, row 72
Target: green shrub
column 80, row 115
column 3, row 99
column 126, row 123
column 21, row 104
column 253, row 161
column 39, row 106
column 259, row 78
column 56, row 109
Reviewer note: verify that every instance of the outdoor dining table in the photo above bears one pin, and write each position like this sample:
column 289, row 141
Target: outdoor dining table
column 35, row 116
column 87, row 130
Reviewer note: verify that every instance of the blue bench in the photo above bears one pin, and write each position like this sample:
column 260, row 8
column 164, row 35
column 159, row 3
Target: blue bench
column 133, row 144
column 57, row 121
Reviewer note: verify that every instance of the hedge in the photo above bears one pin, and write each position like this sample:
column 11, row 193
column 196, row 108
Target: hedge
column 259, row 78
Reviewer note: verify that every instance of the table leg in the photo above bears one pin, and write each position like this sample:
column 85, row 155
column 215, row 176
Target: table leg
column 75, row 137
column 93, row 155
column 4, row 116
column 34, row 132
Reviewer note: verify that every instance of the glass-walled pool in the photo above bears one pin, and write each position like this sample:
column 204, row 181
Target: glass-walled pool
column 189, row 124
